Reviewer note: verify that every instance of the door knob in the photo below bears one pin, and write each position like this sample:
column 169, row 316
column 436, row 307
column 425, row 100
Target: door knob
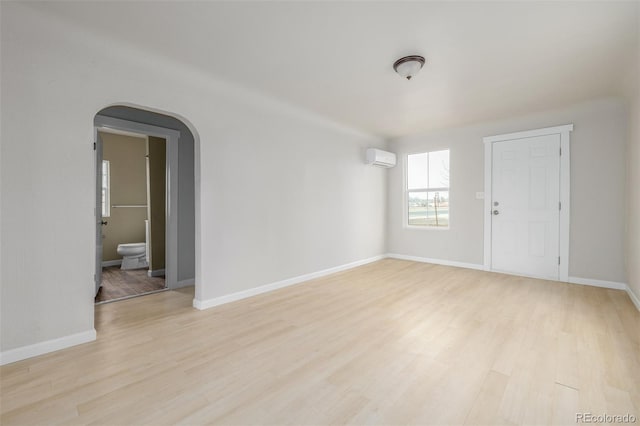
column 104, row 222
column 496, row 212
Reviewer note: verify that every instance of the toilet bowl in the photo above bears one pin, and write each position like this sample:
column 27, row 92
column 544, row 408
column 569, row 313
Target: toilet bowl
column 134, row 255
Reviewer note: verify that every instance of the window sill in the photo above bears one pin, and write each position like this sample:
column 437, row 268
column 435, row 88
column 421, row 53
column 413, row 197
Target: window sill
column 427, row 228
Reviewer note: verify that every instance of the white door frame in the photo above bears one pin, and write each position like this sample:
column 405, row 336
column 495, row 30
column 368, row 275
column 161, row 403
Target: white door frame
column 565, row 199
column 172, row 137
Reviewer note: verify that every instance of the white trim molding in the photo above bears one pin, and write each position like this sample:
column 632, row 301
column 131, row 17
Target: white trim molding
column 573, row 280
column 608, row 284
column 436, row 261
column 565, row 186
column 210, row 303
column 634, row 298
column 529, row 133
column 597, row 283
column 116, row 262
column 41, row 348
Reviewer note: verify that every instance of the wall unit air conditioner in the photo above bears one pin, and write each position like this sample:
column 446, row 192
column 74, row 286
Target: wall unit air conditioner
column 380, row 158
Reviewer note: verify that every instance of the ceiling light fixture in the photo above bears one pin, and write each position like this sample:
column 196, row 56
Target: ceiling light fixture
column 408, row 66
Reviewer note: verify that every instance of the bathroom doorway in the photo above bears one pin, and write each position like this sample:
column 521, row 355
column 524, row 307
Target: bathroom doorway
column 135, row 232
column 132, row 206
column 180, row 179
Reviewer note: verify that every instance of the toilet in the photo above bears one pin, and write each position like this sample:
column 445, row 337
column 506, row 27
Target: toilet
column 134, row 255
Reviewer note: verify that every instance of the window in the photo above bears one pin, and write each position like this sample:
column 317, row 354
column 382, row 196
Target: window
column 427, row 191
column 106, row 183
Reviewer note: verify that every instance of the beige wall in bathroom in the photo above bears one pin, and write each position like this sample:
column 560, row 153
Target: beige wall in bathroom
column 126, row 155
column 156, row 189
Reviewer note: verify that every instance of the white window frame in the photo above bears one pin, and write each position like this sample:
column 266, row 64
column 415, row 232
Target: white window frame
column 406, row 191
column 106, row 197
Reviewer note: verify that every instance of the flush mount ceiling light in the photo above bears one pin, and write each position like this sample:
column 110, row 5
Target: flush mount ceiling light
column 408, row 66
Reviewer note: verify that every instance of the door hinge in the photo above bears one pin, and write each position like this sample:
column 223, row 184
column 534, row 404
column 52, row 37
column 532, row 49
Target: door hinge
column 561, row 151
column 559, row 205
column 558, row 260
column 94, row 146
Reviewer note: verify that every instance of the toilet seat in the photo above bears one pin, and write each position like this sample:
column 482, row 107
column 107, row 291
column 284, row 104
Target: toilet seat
column 133, row 255
column 131, row 249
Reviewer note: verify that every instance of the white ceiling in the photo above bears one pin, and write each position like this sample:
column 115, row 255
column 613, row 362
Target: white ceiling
column 485, row 60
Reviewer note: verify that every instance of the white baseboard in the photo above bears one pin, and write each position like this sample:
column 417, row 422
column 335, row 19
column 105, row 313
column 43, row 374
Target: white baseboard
column 210, row 303
column 155, row 273
column 608, row 284
column 634, row 298
column 116, row 262
column 436, row 261
column 47, row 346
column 185, row 283
column 598, row 283
column 574, row 280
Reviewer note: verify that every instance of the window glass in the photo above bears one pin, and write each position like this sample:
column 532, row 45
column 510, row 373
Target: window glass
column 439, row 169
column 427, row 191
column 417, row 171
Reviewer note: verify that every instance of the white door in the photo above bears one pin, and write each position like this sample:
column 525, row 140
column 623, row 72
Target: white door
column 525, row 220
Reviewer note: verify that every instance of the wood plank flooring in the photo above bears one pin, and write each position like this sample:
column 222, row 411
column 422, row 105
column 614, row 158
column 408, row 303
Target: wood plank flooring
column 118, row 283
column 392, row 342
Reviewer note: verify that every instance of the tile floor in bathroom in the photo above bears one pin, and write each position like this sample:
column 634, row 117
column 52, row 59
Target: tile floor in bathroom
column 117, row 283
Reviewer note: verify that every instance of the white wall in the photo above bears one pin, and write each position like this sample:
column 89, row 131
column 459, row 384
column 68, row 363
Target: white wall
column 281, row 192
column 597, row 181
column 285, row 201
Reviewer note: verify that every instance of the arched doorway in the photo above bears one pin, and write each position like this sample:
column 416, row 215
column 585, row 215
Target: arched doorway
column 175, row 246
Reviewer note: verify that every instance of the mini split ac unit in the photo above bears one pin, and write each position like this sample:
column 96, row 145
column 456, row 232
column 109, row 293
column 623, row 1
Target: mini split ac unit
column 381, row 158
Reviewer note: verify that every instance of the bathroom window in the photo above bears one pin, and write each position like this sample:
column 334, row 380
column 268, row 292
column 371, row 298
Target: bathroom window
column 427, row 190
column 106, row 195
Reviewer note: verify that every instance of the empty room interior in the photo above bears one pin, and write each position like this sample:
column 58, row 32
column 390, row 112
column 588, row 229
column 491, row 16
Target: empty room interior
column 311, row 212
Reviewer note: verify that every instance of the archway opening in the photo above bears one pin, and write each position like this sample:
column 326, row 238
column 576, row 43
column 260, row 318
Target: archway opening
column 169, row 231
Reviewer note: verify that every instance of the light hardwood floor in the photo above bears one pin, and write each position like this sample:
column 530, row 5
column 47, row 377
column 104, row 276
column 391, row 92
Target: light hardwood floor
column 393, row 342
